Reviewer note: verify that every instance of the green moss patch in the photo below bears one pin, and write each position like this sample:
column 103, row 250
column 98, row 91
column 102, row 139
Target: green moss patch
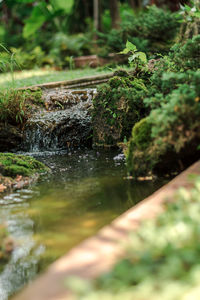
column 139, row 143
column 141, row 134
column 12, row 165
column 118, row 105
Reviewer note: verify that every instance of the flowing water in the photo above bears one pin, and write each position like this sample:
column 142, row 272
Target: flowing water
column 65, row 121
column 85, row 191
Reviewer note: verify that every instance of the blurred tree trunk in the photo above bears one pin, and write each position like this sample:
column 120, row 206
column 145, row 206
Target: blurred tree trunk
column 97, row 14
column 6, row 14
column 135, row 4
column 114, row 13
column 86, row 7
column 81, row 10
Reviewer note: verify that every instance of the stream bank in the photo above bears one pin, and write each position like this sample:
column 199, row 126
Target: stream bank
column 18, row 171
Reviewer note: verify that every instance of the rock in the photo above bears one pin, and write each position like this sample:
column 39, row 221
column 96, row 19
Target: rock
column 57, row 130
column 64, row 127
column 118, row 105
column 10, row 137
column 13, row 166
column 63, row 121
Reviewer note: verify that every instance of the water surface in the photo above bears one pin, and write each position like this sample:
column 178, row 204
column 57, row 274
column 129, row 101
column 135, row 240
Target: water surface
column 85, row 191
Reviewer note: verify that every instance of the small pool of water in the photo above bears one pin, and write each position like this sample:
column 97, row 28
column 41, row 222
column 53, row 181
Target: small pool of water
column 85, row 191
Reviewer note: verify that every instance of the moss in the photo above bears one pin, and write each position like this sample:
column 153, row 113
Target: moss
column 139, row 84
column 35, row 96
column 138, row 146
column 141, row 134
column 118, row 81
column 121, row 73
column 118, row 105
column 13, row 165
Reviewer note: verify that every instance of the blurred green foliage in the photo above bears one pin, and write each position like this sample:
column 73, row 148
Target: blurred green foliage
column 173, row 100
column 152, row 30
column 43, row 33
column 161, row 259
column 16, row 105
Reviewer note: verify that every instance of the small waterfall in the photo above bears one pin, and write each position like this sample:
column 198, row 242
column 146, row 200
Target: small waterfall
column 64, row 123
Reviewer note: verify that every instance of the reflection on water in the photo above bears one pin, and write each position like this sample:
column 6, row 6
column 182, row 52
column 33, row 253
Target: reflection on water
column 85, row 191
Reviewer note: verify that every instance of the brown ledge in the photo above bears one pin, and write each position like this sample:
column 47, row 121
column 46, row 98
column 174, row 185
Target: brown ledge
column 80, row 82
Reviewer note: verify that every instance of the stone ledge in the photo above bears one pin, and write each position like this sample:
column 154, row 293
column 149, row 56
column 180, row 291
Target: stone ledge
column 80, row 82
column 97, row 254
column 86, row 81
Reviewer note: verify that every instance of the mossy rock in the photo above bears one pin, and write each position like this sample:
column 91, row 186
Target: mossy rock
column 121, row 73
column 118, row 105
column 141, row 134
column 144, row 156
column 140, row 141
column 12, row 165
column 11, row 137
column 118, row 81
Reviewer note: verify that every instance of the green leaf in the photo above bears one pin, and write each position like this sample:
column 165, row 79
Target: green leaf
column 132, row 57
column 182, row 7
column 130, row 46
column 35, row 21
column 187, row 8
column 125, row 51
column 197, row 14
column 142, row 56
column 62, row 4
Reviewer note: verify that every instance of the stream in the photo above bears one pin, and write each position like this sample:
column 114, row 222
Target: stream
column 85, row 191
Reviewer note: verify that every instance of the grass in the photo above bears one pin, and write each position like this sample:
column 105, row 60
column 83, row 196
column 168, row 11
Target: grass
column 33, row 77
column 16, row 105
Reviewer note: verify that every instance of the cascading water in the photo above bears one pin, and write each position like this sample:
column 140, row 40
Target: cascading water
column 64, row 123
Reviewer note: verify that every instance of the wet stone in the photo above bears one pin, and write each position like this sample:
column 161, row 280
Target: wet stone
column 10, row 137
column 64, row 124
column 79, row 92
